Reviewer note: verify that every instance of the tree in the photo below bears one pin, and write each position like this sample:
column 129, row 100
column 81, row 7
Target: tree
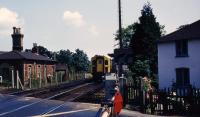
column 80, row 61
column 144, row 40
column 65, row 56
column 127, row 34
column 42, row 51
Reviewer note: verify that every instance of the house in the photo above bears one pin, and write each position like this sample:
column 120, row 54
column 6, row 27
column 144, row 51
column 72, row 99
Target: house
column 19, row 68
column 179, row 57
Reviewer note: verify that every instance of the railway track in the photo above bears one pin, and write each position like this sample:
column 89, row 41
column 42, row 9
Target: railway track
column 42, row 92
column 47, row 89
column 71, row 95
column 66, row 95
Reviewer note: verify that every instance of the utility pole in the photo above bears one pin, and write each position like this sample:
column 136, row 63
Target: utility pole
column 120, row 39
column 120, row 25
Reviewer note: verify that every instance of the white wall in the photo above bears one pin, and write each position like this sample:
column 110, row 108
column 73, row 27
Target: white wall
column 168, row 62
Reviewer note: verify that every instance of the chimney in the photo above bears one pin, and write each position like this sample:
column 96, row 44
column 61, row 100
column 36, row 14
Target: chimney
column 17, row 38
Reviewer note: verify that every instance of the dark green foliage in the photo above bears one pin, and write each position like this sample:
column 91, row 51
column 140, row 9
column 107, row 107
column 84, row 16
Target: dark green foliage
column 142, row 37
column 42, row 51
column 141, row 68
column 144, row 40
column 77, row 61
column 127, row 34
column 80, row 61
column 64, row 56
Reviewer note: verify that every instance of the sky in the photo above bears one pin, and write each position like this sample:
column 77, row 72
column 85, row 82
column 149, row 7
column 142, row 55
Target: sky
column 89, row 25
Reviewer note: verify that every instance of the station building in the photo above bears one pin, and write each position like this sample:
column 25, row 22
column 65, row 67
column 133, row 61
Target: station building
column 18, row 67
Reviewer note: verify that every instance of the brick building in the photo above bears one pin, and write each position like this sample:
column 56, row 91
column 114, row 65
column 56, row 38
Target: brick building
column 18, row 67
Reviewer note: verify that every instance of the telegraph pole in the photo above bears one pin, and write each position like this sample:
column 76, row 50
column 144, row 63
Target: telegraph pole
column 120, row 39
column 120, row 25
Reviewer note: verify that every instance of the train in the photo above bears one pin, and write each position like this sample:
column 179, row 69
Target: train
column 101, row 65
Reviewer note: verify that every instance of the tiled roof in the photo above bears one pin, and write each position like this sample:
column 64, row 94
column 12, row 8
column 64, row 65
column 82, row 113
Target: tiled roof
column 191, row 31
column 16, row 55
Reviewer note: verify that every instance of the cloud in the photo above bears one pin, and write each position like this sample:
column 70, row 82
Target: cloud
column 73, row 18
column 8, row 19
column 93, row 30
column 76, row 19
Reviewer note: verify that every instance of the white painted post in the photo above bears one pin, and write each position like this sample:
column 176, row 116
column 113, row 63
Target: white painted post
column 56, row 78
column 40, row 81
column 45, row 74
column 17, row 81
column 13, row 79
column 61, row 77
column 1, row 79
column 30, row 81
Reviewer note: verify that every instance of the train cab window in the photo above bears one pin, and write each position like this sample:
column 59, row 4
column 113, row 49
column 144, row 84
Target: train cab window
column 106, row 62
column 100, row 62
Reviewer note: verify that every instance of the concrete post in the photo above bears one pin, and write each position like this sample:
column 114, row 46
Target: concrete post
column 1, row 79
column 40, row 81
column 30, row 81
column 17, row 80
column 13, row 80
column 45, row 74
column 56, row 78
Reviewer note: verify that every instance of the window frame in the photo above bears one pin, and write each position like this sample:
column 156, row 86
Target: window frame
column 181, row 47
column 182, row 77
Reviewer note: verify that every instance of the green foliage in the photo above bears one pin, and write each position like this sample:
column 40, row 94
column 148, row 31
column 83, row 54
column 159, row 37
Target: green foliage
column 141, row 68
column 127, row 34
column 42, row 51
column 80, row 61
column 142, row 37
column 144, row 43
column 65, row 56
column 77, row 61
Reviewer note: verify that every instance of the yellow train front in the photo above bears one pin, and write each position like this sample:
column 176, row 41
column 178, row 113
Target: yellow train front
column 101, row 65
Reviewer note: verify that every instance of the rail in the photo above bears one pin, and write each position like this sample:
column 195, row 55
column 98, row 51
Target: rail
column 48, row 98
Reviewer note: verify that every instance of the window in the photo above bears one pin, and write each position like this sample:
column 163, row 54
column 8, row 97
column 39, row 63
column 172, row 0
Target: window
column 106, row 62
column 182, row 48
column 100, row 61
column 182, row 77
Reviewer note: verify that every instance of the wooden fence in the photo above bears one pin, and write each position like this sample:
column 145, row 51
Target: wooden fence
column 184, row 101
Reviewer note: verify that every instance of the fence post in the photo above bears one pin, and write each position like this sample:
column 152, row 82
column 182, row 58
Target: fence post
column 13, row 79
column 142, row 96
